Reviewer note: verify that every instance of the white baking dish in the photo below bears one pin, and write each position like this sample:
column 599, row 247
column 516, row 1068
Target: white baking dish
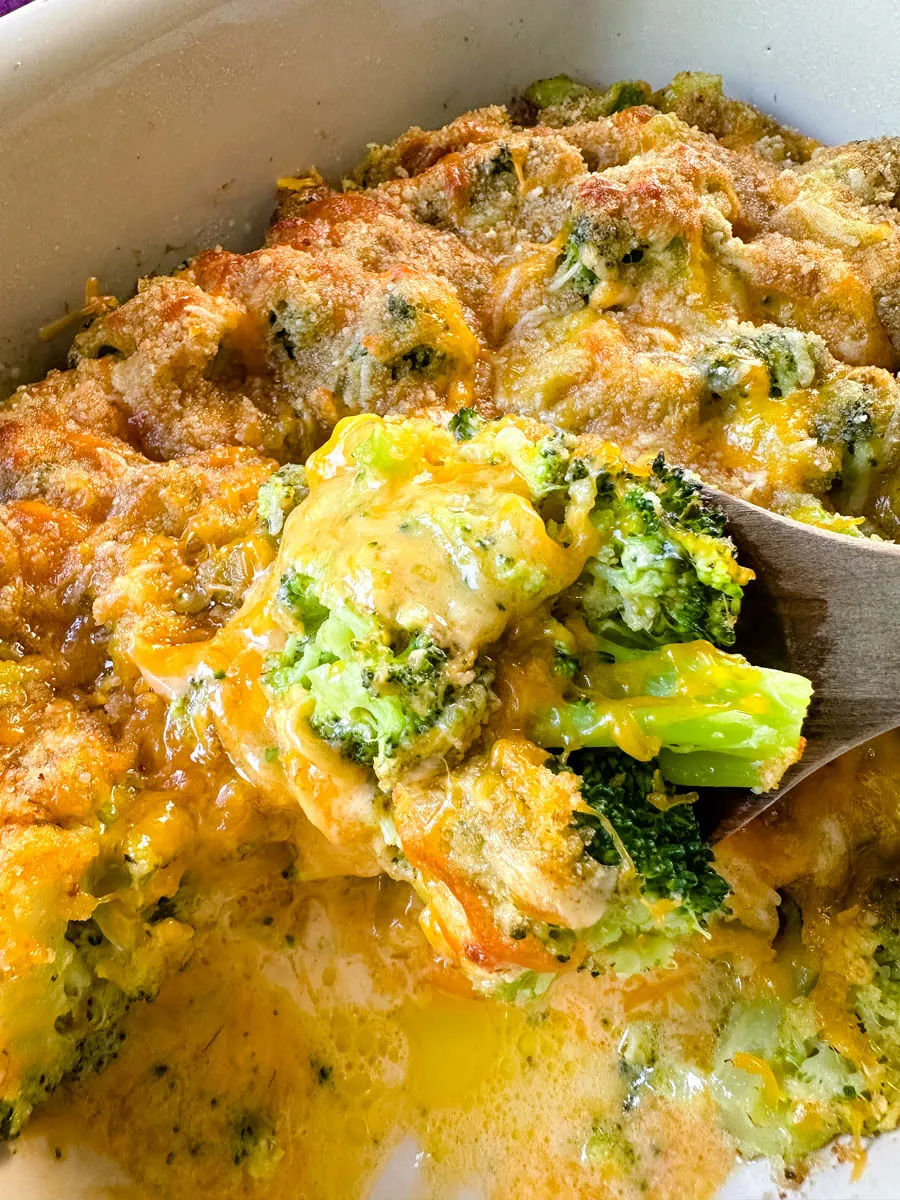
column 134, row 131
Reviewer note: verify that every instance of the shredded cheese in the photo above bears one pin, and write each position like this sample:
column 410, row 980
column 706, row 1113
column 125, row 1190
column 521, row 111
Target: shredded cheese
column 94, row 305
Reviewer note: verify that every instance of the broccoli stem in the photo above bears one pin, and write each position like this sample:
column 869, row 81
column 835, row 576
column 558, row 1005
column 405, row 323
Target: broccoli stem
column 713, row 719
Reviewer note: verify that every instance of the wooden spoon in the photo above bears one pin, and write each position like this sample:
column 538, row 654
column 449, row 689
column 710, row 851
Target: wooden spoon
column 828, row 607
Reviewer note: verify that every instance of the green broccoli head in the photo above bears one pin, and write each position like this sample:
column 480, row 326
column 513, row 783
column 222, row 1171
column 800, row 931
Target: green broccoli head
column 382, row 697
column 698, row 99
column 771, row 360
column 638, row 820
column 782, row 1090
column 666, row 570
column 572, row 271
column 852, row 419
column 555, row 90
column 465, row 424
column 637, row 823
column 689, row 85
column 659, row 596
column 595, row 251
column 297, row 594
column 559, row 100
column 662, row 887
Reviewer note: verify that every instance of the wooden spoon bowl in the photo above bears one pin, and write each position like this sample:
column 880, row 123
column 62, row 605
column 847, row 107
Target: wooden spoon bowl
column 826, row 606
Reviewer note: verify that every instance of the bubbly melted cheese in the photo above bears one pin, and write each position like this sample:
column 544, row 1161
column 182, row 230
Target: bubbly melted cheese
column 359, row 1045
column 321, row 1009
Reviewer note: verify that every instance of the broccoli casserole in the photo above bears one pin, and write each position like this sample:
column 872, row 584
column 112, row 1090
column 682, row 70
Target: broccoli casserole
column 367, row 646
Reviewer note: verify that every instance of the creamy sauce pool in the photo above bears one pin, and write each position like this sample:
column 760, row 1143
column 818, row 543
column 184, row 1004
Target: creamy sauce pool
column 356, row 1041
column 321, row 1006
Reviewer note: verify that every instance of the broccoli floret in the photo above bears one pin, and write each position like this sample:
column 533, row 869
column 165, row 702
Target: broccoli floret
column 774, row 360
column 556, row 90
column 846, row 417
column 689, row 85
column 188, row 716
column 877, row 1000
column 800, row 506
column 852, row 419
column 571, row 271
column 660, row 594
column 681, row 495
column 101, row 1042
column 465, row 424
column 593, row 252
column 626, row 93
column 63, row 1056
column 657, row 870
column 634, row 812
column 253, row 1143
column 665, row 571
column 789, row 357
column 711, row 718
column 601, row 248
column 697, row 98
column 782, row 1090
column 380, row 700
column 279, row 495
column 561, row 101
column 667, row 888
column 297, row 594
column 549, row 465
column 380, row 457
column 72, row 1026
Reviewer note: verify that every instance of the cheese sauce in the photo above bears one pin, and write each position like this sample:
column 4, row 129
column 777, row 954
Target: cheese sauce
column 353, row 1043
column 320, row 1011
